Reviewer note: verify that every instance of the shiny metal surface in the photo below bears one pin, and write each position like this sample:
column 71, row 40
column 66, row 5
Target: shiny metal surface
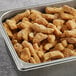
column 23, row 66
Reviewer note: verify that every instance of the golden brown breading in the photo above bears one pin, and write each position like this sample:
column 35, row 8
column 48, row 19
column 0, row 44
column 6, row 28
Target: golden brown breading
column 51, row 38
column 53, row 55
column 69, row 9
column 66, row 16
column 41, row 20
column 25, row 54
column 18, row 47
column 9, row 32
column 64, row 43
column 48, row 46
column 34, row 16
column 70, row 46
column 14, row 41
column 59, row 47
column 39, row 37
column 41, row 28
column 71, row 24
column 31, row 36
column 32, row 51
column 50, row 10
column 59, row 23
column 40, row 54
column 68, row 52
column 56, row 54
column 11, row 24
column 56, row 30
column 71, row 40
column 23, row 25
column 70, row 33
column 20, row 16
column 32, row 60
column 25, row 19
column 49, row 17
column 35, row 11
column 36, row 47
column 23, row 34
column 64, row 27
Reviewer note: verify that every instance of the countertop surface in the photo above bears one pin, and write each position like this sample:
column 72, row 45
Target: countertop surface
column 7, row 65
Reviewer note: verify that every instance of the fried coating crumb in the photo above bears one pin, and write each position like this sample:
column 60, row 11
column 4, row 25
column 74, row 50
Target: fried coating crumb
column 68, row 52
column 70, row 33
column 25, row 54
column 20, row 16
column 70, row 46
column 69, row 9
column 64, row 43
column 41, row 28
column 56, row 30
column 71, row 24
column 39, row 37
column 47, row 46
column 31, row 36
column 18, row 47
column 9, row 32
column 50, row 17
column 12, row 24
column 41, row 20
column 23, row 34
column 29, row 45
column 40, row 54
column 53, row 55
column 50, row 10
column 66, row 16
column 51, row 38
column 36, row 47
column 71, row 40
column 32, row 60
column 59, row 46
column 59, row 23
column 23, row 25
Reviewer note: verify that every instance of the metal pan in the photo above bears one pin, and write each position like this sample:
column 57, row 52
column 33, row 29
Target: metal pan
column 21, row 65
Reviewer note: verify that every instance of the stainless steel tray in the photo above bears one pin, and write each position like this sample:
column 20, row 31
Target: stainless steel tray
column 21, row 65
